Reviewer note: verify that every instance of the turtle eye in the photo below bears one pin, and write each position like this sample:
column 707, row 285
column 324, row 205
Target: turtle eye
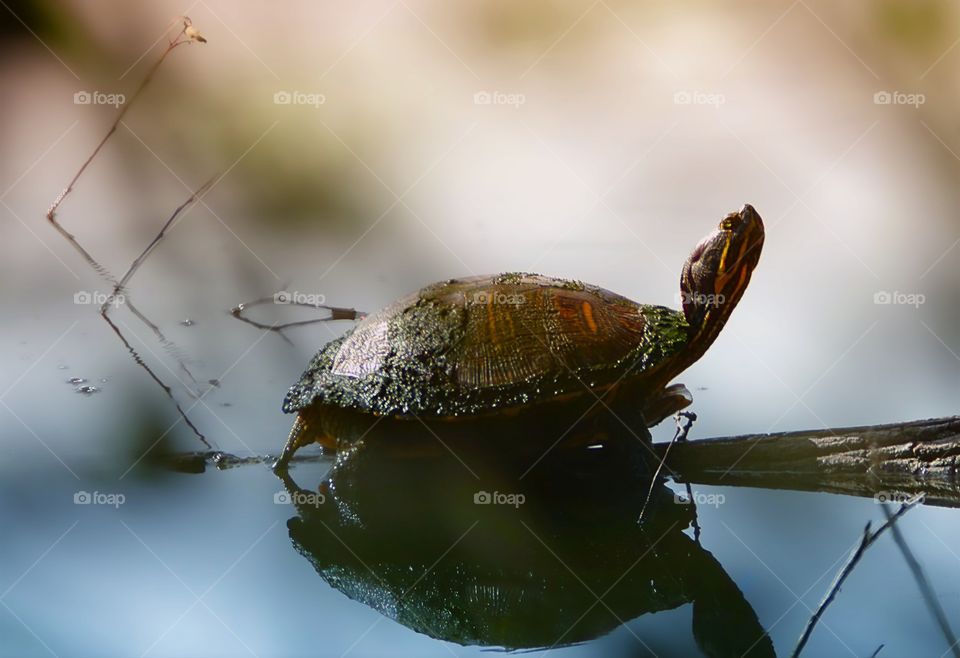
column 726, row 224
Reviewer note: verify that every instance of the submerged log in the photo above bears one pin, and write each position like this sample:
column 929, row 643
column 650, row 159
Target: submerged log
column 889, row 462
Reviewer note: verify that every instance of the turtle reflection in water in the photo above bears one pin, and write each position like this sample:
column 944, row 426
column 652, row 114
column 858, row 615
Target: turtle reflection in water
column 466, row 548
column 512, row 343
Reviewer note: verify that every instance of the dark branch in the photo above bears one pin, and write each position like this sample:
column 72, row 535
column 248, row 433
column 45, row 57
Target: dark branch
column 900, row 459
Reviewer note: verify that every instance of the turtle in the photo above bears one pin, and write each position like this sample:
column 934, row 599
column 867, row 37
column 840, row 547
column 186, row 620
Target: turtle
column 505, row 344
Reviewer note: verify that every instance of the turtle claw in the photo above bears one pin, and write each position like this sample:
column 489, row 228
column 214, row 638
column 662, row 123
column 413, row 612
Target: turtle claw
column 685, row 421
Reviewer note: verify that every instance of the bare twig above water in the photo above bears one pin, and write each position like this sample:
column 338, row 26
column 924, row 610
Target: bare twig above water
column 685, row 420
column 886, row 461
column 336, row 313
column 186, row 34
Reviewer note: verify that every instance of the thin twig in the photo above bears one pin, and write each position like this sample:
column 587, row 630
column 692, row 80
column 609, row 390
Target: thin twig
column 866, row 541
column 679, row 435
column 336, row 313
column 187, row 34
column 929, row 596
column 138, row 261
column 120, row 287
column 168, row 345
column 181, row 38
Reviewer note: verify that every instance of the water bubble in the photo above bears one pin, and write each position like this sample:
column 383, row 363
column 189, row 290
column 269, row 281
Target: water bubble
column 214, row 382
column 63, row 367
column 104, row 380
column 187, row 322
column 76, row 381
column 87, row 390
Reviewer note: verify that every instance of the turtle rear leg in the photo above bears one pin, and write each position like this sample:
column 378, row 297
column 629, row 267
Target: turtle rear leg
column 301, row 434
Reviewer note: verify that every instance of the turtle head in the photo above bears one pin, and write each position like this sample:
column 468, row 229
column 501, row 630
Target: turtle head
column 716, row 274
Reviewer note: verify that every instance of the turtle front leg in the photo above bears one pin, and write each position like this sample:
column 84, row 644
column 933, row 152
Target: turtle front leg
column 669, row 401
column 294, row 442
column 301, row 434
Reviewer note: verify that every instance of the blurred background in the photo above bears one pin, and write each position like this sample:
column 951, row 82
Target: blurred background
column 363, row 150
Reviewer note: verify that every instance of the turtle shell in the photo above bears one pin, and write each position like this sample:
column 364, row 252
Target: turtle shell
column 481, row 344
